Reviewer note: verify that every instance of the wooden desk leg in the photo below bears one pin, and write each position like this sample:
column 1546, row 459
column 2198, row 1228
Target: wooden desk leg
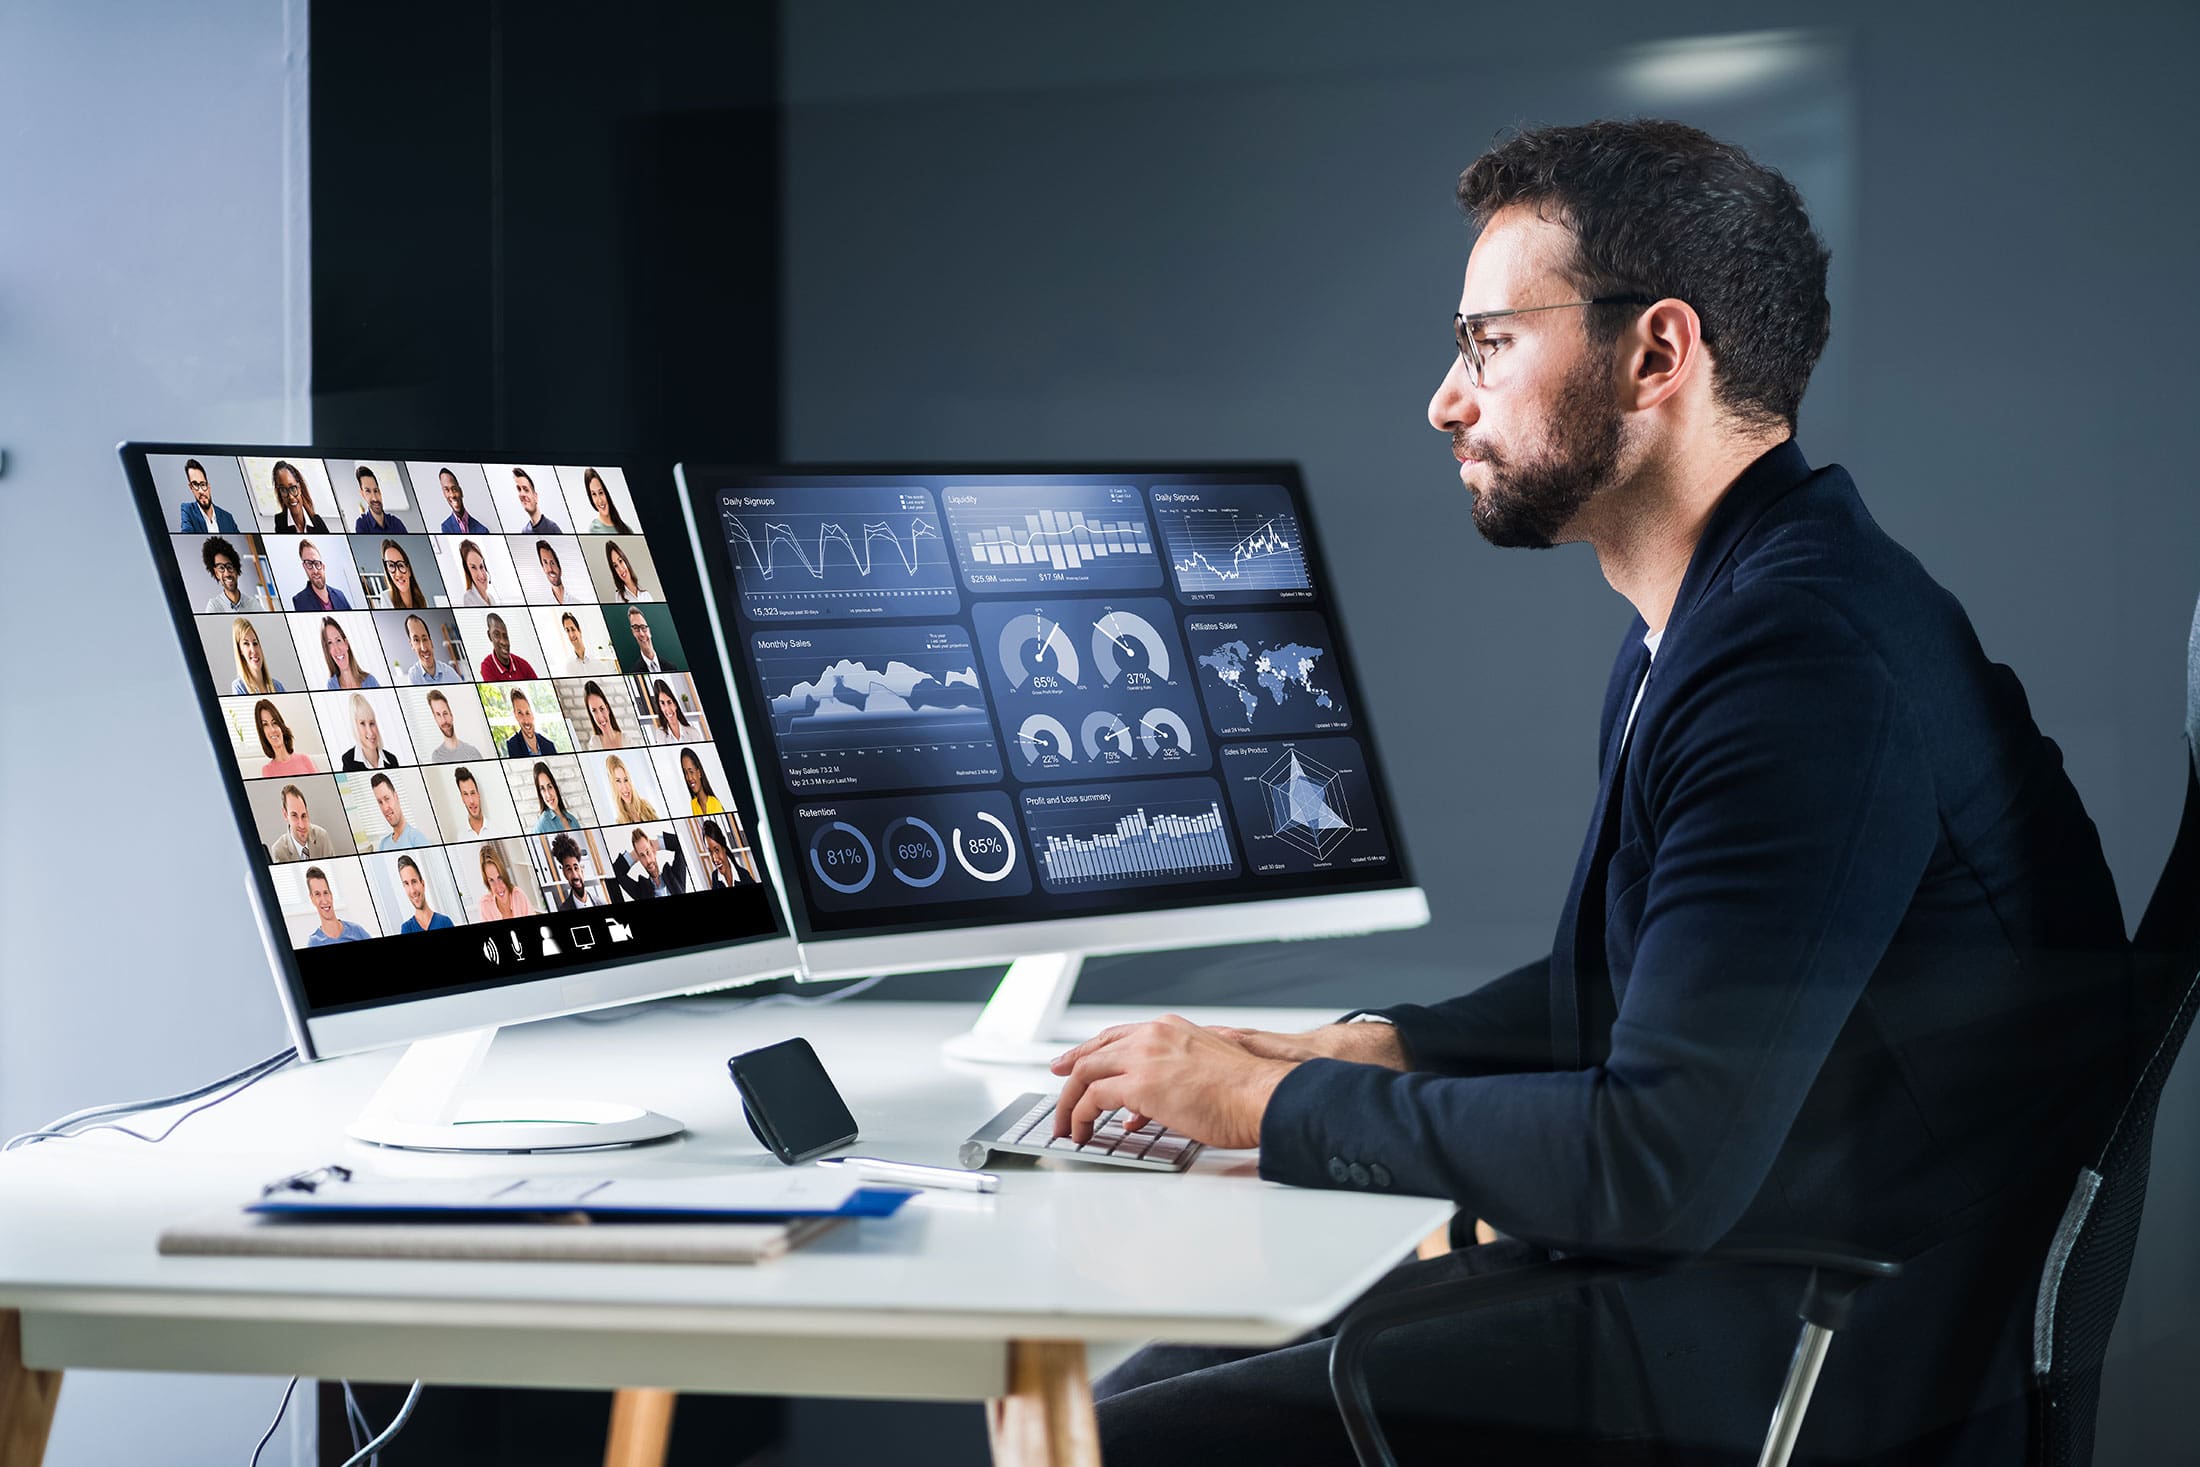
column 641, row 1427
column 27, row 1398
column 1046, row 1419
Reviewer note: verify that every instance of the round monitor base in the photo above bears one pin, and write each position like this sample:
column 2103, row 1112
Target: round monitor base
column 507, row 1124
column 990, row 1049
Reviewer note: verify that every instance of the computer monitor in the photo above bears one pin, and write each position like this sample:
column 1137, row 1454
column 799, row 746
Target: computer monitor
column 475, row 739
column 1025, row 714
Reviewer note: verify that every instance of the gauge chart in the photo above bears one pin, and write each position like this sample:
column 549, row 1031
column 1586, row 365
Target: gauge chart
column 1092, row 687
column 911, row 848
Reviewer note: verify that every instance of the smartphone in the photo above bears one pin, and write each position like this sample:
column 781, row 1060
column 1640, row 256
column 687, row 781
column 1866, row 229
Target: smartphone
column 792, row 1104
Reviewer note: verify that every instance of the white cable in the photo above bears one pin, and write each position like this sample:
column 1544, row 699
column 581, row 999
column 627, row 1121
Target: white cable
column 127, row 1107
column 253, row 1075
column 355, row 1420
column 404, row 1414
column 269, row 1434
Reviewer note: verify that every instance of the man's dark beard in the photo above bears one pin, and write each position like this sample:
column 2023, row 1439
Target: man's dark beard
column 1527, row 506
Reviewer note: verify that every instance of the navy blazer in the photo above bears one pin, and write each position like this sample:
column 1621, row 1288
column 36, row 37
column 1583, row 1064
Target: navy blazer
column 1841, row 958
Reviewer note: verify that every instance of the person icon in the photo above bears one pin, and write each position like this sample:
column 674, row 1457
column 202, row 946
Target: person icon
column 530, row 500
column 424, row 918
column 371, row 520
column 551, row 800
column 453, row 749
column 457, row 522
column 404, row 835
column 332, row 928
column 366, row 751
column 607, row 520
column 252, row 674
column 301, row 839
column 526, row 744
column 317, row 594
column 226, row 566
column 279, row 744
column 294, row 515
column 565, row 854
column 502, row 665
column 199, row 514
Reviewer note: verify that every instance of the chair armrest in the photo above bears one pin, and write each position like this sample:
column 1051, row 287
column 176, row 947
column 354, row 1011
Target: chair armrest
column 1835, row 1275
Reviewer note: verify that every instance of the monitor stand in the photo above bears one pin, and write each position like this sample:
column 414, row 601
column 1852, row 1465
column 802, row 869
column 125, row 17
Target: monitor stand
column 421, row 1106
column 1018, row 1024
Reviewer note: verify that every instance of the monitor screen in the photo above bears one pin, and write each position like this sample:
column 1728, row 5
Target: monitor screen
column 1000, row 696
column 458, row 711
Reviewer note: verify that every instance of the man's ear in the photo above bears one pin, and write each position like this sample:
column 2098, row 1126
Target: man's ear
column 1665, row 348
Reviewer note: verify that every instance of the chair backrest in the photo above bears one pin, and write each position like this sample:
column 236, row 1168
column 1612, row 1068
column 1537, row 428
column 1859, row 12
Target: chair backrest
column 2082, row 1288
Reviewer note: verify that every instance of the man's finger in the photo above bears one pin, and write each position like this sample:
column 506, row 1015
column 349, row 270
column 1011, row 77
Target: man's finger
column 1067, row 1059
column 1099, row 1098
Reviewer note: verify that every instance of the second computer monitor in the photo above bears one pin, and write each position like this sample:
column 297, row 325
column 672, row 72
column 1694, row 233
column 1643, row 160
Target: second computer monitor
column 997, row 712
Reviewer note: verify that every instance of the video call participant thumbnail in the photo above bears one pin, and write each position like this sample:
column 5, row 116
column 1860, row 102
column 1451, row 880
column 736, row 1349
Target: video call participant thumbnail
column 345, row 661
column 629, row 573
column 729, row 864
column 651, row 866
column 577, row 641
column 689, row 780
column 279, row 742
column 368, row 725
column 317, row 594
column 449, row 748
column 199, row 514
column 303, row 838
column 473, row 806
column 235, row 570
column 422, row 917
column 502, row 664
column 295, row 509
column 605, row 729
column 574, row 883
column 419, row 661
column 670, row 700
column 553, row 571
column 398, row 830
column 331, row 928
column 649, row 644
column 250, row 654
column 465, row 494
column 504, row 884
column 526, row 742
column 527, row 498
column 373, row 520
column 607, row 497
column 399, row 574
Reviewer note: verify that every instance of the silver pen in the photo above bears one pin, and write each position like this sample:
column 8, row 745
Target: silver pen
column 912, row 1174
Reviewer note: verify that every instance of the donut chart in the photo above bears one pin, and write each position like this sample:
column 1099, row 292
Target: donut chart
column 1125, row 642
column 1033, row 647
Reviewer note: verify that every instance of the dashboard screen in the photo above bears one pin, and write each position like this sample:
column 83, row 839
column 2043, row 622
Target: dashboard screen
column 457, row 709
column 990, row 697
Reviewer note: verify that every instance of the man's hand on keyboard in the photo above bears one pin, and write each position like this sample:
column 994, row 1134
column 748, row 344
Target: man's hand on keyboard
column 1192, row 1080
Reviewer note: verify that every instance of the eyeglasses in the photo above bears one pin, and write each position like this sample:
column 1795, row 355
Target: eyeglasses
column 312, row 565
column 1475, row 353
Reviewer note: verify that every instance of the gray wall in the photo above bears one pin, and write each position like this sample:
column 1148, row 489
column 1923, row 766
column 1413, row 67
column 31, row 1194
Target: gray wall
column 1229, row 231
column 152, row 257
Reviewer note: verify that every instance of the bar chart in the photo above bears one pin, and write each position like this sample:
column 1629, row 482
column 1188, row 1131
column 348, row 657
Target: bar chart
column 1130, row 835
column 1094, row 536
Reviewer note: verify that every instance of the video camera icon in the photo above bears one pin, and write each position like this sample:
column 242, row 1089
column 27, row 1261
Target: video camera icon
column 619, row 931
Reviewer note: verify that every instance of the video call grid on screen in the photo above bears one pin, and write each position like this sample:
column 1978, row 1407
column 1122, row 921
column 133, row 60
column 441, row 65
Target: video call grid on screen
column 454, row 694
column 982, row 697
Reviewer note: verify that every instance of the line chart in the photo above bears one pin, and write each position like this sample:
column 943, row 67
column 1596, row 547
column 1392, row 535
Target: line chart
column 1233, row 542
column 832, row 552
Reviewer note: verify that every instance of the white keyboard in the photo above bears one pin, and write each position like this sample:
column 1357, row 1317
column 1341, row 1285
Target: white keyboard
column 1026, row 1128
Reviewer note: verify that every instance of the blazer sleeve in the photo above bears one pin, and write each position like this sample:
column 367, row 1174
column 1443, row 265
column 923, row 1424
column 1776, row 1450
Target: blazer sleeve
column 1501, row 1028
column 1791, row 814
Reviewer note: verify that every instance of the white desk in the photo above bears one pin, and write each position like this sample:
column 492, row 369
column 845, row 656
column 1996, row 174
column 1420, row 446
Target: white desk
column 957, row 1298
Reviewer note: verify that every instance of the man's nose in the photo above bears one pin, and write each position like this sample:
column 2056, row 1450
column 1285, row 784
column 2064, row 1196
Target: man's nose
column 1453, row 407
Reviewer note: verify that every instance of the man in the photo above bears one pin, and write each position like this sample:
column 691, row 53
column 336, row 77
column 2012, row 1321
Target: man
column 403, row 835
column 318, row 594
column 457, row 522
column 331, row 928
column 526, row 743
column 424, row 670
column 453, row 749
column 200, row 514
column 580, row 664
column 530, row 501
column 424, row 918
column 1841, row 959
column 372, row 521
column 501, row 666
column 226, row 566
column 646, row 873
column 301, row 839
column 553, row 570
column 645, row 648
column 469, row 794
column 567, row 853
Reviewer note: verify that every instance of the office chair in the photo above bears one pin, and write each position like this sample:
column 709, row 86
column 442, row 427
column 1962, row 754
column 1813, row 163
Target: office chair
column 2081, row 1287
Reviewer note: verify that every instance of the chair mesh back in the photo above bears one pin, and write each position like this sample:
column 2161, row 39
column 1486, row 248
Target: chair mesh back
column 2083, row 1285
